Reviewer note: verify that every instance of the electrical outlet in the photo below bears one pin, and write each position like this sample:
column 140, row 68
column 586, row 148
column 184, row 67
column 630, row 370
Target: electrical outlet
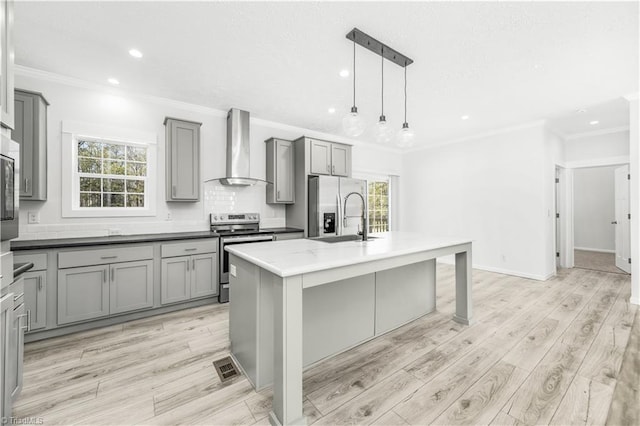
column 114, row 231
column 169, row 216
column 504, row 258
column 232, row 270
column 33, row 217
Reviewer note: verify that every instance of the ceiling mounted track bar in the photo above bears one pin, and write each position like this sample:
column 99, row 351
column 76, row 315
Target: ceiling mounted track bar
column 366, row 41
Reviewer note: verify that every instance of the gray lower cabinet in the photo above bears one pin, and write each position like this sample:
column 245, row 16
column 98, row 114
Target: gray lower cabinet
column 83, row 293
column 96, row 291
column 182, row 159
column 6, row 314
column 189, row 277
column 35, row 298
column 30, row 131
column 130, row 286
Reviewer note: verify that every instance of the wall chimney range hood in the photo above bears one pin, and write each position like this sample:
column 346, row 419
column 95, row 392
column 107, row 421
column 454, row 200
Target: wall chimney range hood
column 238, row 150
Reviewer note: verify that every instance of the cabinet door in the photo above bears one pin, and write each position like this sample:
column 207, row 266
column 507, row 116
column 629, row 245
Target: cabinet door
column 83, row 293
column 204, row 275
column 23, row 134
column 320, row 158
column 35, row 298
column 183, row 160
column 284, row 172
column 174, row 284
column 130, row 286
column 6, row 313
column 6, row 64
column 16, row 348
column 340, row 160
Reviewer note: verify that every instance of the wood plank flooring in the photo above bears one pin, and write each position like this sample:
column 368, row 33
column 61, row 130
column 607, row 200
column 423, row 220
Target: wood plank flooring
column 539, row 353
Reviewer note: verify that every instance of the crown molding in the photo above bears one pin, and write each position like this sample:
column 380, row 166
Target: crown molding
column 214, row 112
column 598, row 132
column 502, row 130
column 632, row 96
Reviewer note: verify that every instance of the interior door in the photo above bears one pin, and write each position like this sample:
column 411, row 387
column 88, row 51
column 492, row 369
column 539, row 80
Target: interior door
column 622, row 222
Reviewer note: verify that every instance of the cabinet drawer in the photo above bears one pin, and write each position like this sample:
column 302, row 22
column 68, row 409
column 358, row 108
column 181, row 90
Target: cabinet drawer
column 39, row 260
column 188, row 248
column 72, row 259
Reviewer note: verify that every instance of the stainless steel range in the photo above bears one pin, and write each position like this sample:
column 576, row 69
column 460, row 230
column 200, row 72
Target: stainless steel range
column 235, row 228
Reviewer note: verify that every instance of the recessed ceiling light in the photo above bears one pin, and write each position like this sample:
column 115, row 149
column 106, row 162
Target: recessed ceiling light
column 581, row 111
column 464, row 117
column 344, row 73
column 113, row 81
column 331, row 110
column 135, row 53
column 594, row 122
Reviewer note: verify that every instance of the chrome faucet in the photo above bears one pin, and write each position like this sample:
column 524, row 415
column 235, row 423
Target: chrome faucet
column 363, row 216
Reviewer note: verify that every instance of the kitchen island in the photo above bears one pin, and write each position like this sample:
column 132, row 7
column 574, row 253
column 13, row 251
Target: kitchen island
column 296, row 302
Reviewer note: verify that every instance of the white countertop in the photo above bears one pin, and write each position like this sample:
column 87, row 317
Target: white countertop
column 294, row 257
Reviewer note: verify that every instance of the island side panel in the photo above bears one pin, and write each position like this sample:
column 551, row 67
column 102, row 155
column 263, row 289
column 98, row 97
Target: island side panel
column 243, row 316
column 404, row 294
column 287, row 354
column 464, row 281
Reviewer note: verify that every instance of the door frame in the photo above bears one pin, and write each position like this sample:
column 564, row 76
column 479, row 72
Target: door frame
column 566, row 203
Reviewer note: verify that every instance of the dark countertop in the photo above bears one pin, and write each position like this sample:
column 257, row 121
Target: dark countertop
column 21, row 268
column 125, row 239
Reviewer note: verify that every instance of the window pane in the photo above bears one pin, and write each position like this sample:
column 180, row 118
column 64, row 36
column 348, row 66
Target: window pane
column 89, row 149
column 113, row 200
column 136, row 169
column 89, row 165
column 136, row 154
column 113, row 185
column 90, row 184
column 114, row 151
column 135, row 200
column 88, row 199
column 113, row 167
column 135, row 185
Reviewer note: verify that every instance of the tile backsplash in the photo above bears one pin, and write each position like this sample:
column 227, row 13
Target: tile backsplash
column 216, row 198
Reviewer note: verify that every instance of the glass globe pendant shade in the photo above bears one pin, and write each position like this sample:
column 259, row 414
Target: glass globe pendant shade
column 405, row 136
column 383, row 133
column 353, row 124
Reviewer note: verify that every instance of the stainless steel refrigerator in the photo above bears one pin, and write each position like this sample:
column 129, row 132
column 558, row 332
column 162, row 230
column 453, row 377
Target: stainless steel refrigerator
column 327, row 214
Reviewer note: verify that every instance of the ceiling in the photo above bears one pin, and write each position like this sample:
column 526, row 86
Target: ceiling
column 609, row 115
column 500, row 63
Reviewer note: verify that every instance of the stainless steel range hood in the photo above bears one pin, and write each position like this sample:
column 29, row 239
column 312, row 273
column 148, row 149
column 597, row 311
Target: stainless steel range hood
column 238, row 150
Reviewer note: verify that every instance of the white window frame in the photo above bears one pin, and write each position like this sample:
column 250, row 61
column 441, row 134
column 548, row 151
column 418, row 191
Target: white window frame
column 74, row 131
column 392, row 187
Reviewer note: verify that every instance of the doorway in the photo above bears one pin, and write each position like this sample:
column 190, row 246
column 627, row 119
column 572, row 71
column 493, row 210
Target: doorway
column 601, row 218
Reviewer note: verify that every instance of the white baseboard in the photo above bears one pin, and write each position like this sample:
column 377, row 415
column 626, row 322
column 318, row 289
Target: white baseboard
column 502, row 271
column 595, row 249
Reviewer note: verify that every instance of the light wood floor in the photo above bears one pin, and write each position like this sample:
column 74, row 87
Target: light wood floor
column 539, row 353
column 597, row 261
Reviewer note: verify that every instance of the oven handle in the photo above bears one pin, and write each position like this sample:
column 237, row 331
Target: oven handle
column 247, row 239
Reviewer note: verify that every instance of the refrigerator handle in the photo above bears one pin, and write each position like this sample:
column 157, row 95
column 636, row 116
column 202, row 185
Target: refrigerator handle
column 339, row 215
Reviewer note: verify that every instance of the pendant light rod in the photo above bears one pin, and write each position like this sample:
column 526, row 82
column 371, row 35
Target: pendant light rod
column 354, row 76
column 405, row 95
column 368, row 42
column 382, row 88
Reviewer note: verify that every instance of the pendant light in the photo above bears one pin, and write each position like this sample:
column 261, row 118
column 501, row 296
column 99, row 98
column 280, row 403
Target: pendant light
column 405, row 136
column 383, row 132
column 352, row 123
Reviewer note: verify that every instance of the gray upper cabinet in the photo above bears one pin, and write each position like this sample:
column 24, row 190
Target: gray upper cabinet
column 6, row 64
column 329, row 158
column 30, row 132
column 182, row 159
column 280, row 171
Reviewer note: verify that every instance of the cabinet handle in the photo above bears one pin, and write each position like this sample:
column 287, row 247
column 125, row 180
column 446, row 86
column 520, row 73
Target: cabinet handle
column 173, row 190
column 328, row 169
column 190, row 249
column 26, row 184
column 28, row 326
column 188, row 265
column 278, row 195
column 193, row 266
column 333, row 169
column 108, row 257
column 40, row 283
column 111, row 274
column 104, row 275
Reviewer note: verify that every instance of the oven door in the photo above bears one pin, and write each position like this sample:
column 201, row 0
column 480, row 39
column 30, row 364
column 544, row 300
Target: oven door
column 224, row 258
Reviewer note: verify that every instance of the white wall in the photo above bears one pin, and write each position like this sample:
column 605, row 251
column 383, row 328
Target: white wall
column 491, row 189
column 601, row 148
column 634, row 199
column 78, row 101
column 594, row 208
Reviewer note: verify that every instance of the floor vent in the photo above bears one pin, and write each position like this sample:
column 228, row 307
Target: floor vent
column 225, row 368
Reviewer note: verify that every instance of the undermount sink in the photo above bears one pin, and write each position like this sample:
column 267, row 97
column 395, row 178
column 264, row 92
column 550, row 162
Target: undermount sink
column 343, row 238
